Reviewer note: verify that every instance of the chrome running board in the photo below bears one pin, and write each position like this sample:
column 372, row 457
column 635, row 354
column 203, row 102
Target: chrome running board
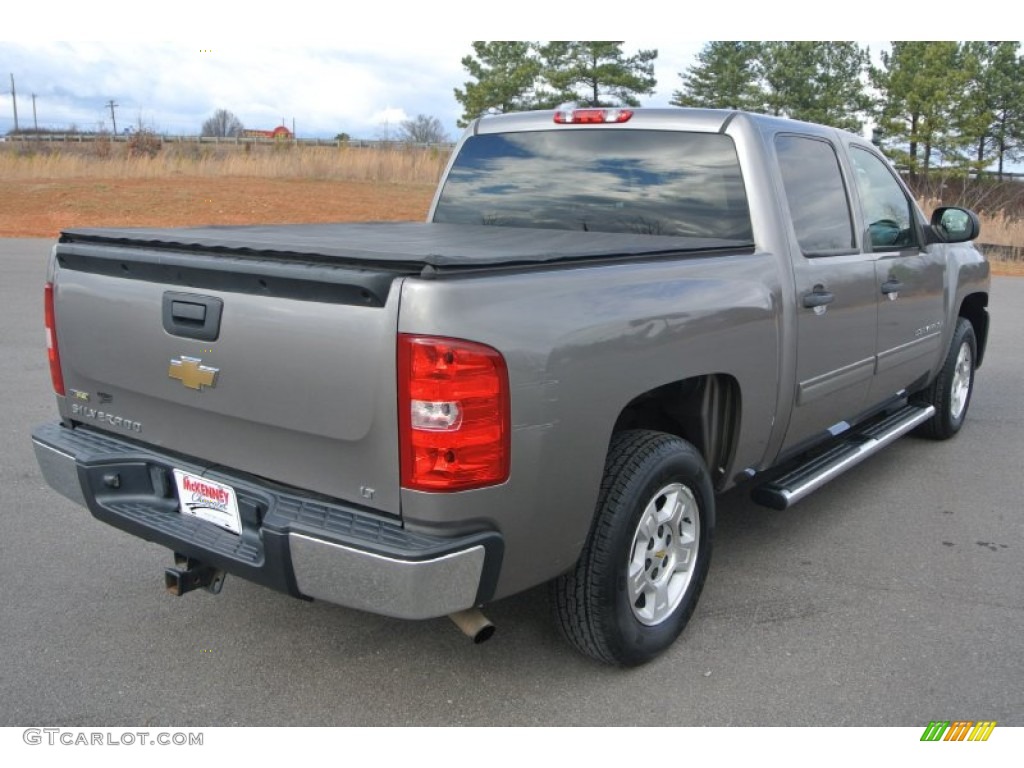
column 848, row 452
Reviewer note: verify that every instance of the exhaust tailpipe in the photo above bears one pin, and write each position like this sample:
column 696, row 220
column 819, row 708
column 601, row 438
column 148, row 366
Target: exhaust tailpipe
column 473, row 624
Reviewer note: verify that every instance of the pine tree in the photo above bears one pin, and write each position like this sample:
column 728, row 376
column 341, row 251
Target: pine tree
column 505, row 74
column 921, row 84
column 1007, row 103
column 991, row 116
column 974, row 116
column 725, row 77
column 596, row 73
column 816, row 81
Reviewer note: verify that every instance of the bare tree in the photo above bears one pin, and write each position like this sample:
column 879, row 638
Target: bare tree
column 222, row 124
column 422, row 129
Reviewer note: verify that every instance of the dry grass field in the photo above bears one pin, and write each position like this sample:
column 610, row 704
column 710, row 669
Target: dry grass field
column 44, row 192
column 397, row 163
column 43, row 207
column 48, row 188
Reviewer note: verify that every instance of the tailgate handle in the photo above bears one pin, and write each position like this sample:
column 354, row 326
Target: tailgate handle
column 192, row 315
column 189, row 312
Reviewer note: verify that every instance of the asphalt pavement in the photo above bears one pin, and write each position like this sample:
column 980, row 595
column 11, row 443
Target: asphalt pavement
column 893, row 596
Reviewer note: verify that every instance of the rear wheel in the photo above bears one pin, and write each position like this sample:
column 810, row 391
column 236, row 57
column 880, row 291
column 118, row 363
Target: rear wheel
column 642, row 569
column 950, row 393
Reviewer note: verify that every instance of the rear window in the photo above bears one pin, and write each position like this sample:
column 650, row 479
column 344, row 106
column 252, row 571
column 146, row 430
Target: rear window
column 623, row 181
column 816, row 195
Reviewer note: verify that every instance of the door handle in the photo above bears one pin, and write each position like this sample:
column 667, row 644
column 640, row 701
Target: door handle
column 819, row 297
column 892, row 285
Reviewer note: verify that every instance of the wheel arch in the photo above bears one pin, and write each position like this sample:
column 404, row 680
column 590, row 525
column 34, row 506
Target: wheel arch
column 974, row 309
column 703, row 410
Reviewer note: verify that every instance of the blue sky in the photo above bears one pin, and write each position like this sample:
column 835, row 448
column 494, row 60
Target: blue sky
column 330, row 67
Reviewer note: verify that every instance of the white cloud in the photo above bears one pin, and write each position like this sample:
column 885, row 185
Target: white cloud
column 389, row 116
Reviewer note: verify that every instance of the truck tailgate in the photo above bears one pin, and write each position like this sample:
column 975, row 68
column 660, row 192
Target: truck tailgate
column 280, row 368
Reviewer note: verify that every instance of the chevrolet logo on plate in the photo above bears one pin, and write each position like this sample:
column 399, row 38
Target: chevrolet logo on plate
column 192, row 373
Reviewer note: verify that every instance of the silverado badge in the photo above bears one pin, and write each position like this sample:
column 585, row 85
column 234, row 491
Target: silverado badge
column 192, row 373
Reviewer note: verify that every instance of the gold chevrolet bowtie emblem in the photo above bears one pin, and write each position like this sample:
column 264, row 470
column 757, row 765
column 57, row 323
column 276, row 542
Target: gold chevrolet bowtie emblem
column 192, row 373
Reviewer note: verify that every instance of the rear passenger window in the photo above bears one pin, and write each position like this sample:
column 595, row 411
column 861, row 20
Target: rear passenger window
column 816, row 195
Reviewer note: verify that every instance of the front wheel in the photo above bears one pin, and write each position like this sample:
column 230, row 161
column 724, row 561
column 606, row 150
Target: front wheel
column 950, row 393
column 643, row 566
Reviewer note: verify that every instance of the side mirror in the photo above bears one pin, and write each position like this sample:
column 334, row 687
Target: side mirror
column 955, row 225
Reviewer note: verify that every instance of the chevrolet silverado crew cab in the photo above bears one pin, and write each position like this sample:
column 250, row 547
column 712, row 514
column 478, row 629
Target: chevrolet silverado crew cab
column 609, row 317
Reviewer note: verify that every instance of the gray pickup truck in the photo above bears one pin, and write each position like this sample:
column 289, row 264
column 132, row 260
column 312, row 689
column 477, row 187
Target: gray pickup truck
column 609, row 317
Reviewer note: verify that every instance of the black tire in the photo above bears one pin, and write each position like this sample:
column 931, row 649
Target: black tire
column 951, row 391
column 600, row 610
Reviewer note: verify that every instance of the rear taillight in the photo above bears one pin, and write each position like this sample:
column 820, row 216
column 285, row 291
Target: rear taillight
column 51, row 341
column 453, row 414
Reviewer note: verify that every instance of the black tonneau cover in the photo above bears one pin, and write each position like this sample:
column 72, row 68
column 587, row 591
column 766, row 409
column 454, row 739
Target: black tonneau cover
column 404, row 243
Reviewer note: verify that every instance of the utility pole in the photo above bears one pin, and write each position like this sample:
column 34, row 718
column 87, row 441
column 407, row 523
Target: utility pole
column 35, row 122
column 113, row 117
column 14, row 101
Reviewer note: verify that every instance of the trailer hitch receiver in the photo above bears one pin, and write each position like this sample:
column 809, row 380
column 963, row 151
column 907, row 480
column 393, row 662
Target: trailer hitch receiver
column 190, row 574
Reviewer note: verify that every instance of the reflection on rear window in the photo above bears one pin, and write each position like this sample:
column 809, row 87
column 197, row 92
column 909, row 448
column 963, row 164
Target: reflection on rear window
column 626, row 181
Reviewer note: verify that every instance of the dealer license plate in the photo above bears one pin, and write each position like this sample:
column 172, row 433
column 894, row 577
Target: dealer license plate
column 214, row 502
